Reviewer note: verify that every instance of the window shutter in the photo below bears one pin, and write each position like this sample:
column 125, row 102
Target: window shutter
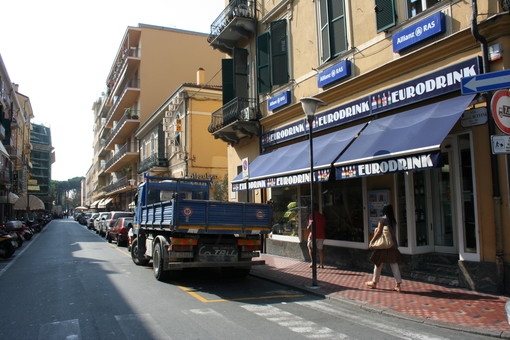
column 337, row 26
column 279, row 58
column 385, row 14
column 241, row 73
column 324, row 27
column 263, row 63
column 227, row 74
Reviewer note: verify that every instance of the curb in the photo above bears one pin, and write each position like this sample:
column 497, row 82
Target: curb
column 389, row 312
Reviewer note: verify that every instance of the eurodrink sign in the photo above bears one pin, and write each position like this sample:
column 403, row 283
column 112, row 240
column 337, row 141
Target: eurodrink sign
column 425, row 29
column 278, row 101
column 334, row 73
column 440, row 82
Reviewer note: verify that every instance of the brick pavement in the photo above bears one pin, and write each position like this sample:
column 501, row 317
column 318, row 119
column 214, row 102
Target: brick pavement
column 443, row 306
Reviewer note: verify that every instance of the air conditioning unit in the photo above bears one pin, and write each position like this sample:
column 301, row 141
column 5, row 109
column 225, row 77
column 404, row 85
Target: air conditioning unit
column 247, row 113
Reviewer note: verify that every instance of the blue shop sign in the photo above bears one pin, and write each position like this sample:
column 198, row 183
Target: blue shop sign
column 334, row 73
column 278, row 101
column 429, row 27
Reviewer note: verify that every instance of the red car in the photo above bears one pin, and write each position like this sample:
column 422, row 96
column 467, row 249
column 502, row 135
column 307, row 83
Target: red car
column 119, row 231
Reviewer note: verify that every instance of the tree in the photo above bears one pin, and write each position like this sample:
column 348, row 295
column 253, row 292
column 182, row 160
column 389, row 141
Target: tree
column 68, row 193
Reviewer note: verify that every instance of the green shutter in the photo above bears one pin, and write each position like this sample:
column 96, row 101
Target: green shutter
column 324, row 27
column 263, row 63
column 227, row 74
column 385, row 14
column 279, row 51
column 241, row 72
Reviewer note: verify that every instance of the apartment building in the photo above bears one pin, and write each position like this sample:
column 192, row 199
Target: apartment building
column 42, row 156
column 151, row 62
column 397, row 127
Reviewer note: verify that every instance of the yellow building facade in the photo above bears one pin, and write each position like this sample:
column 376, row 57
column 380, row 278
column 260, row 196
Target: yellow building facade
column 399, row 126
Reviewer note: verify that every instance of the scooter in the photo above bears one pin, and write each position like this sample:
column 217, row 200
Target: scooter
column 6, row 246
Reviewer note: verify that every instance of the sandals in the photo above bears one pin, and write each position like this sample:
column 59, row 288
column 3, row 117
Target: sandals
column 371, row 284
column 397, row 288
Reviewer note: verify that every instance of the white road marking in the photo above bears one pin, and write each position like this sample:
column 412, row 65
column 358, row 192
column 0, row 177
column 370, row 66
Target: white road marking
column 294, row 323
column 397, row 332
column 68, row 330
column 141, row 326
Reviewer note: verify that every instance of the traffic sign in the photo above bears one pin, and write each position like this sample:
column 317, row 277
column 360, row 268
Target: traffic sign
column 500, row 107
column 486, row 82
column 500, row 144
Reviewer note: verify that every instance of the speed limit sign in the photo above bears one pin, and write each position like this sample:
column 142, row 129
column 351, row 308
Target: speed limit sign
column 500, row 106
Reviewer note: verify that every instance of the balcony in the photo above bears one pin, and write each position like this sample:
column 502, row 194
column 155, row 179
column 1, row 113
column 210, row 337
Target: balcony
column 128, row 96
column 122, row 185
column 121, row 159
column 123, row 130
column 154, row 163
column 236, row 120
column 235, row 22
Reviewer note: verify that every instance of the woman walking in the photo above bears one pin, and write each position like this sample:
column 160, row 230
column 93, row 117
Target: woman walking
column 391, row 255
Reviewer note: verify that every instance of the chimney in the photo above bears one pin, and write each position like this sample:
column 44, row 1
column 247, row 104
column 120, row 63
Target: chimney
column 200, row 76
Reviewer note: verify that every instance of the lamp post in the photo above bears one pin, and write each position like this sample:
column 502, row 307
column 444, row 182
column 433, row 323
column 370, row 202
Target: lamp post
column 131, row 182
column 310, row 105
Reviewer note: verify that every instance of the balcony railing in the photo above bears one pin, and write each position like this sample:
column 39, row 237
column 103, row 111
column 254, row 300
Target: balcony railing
column 238, row 109
column 121, row 183
column 152, row 161
column 235, row 22
column 118, row 155
column 131, row 83
column 129, row 114
column 128, row 52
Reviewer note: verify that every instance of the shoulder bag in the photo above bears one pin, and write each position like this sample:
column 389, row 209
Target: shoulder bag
column 384, row 241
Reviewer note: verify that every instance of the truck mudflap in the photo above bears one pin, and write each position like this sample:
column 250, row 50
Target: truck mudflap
column 240, row 264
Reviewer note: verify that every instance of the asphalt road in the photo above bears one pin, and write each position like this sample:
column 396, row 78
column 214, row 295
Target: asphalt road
column 69, row 283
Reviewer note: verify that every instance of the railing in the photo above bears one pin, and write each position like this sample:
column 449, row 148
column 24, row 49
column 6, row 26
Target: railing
column 130, row 114
column 236, row 8
column 121, row 183
column 238, row 109
column 130, row 83
column 152, row 161
column 118, row 155
column 128, row 52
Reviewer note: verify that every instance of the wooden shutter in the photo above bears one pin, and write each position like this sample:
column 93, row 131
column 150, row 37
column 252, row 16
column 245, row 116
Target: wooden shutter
column 264, row 63
column 241, row 73
column 227, row 74
column 279, row 51
column 385, row 14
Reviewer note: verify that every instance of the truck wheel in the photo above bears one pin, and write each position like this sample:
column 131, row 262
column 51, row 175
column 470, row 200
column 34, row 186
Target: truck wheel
column 135, row 256
column 158, row 263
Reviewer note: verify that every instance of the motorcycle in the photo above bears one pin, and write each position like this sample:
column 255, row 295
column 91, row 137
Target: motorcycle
column 14, row 229
column 6, row 246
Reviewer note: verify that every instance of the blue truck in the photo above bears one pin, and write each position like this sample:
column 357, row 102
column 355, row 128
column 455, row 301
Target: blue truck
column 177, row 226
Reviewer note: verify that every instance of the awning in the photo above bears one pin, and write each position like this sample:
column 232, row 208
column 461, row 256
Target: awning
column 105, row 202
column 289, row 165
column 405, row 141
column 94, row 205
column 29, row 202
column 10, row 198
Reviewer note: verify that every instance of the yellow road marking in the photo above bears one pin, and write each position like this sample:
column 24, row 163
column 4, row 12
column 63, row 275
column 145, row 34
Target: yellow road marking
column 202, row 299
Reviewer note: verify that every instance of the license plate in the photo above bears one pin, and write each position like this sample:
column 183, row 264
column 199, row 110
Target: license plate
column 217, row 253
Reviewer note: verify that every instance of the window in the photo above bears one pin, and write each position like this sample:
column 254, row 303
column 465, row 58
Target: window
column 333, row 32
column 385, row 14
column 415, row 7
column 272, row 57
column 235, row 75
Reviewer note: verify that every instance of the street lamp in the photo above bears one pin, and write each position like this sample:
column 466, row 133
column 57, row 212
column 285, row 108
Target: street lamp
column 131, row 185
column 310, row 105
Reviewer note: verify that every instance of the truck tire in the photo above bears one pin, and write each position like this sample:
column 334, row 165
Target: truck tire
column 137, row 258
column 158, row 263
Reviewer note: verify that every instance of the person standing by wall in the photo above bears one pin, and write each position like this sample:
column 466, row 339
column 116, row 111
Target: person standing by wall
column 391, row 255
column 320, row 225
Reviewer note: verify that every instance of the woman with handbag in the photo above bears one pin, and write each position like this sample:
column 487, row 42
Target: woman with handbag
column 386, row 248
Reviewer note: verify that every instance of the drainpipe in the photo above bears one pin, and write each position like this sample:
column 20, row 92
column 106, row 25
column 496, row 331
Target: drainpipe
column 500, row 267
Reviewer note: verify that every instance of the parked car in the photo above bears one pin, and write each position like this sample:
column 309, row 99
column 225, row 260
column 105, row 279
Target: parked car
column 99, row 221
column 111, row 219
column 119, row 231
column 90, row 221
column 83, row 218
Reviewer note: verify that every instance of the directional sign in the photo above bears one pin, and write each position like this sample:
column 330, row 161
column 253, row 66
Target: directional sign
column 486, row 82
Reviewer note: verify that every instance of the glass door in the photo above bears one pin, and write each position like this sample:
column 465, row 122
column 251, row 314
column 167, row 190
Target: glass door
column 443, row 204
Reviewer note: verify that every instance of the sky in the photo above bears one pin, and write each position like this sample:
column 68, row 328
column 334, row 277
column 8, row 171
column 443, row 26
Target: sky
column 60, row 52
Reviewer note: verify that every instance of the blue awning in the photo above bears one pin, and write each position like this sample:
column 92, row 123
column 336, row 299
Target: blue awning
column 290, row 165
column 405, row 141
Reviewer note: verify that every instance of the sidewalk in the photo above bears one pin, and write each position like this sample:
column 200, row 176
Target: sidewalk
column 442, row 306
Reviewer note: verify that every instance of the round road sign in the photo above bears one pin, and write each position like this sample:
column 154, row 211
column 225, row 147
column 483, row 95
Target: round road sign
column 500, row 106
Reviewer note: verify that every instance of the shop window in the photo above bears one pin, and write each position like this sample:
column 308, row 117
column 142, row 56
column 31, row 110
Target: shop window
column 272, row 57
column 343, row 210
column 333, row 31
column 468, row 197
column 287, row 211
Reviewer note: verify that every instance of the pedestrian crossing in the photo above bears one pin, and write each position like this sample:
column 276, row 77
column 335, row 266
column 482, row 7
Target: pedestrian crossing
column 283, row 316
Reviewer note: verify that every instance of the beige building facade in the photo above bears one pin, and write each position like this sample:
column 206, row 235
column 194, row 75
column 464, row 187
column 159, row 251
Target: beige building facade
column 399, row 126
column 150, row 63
